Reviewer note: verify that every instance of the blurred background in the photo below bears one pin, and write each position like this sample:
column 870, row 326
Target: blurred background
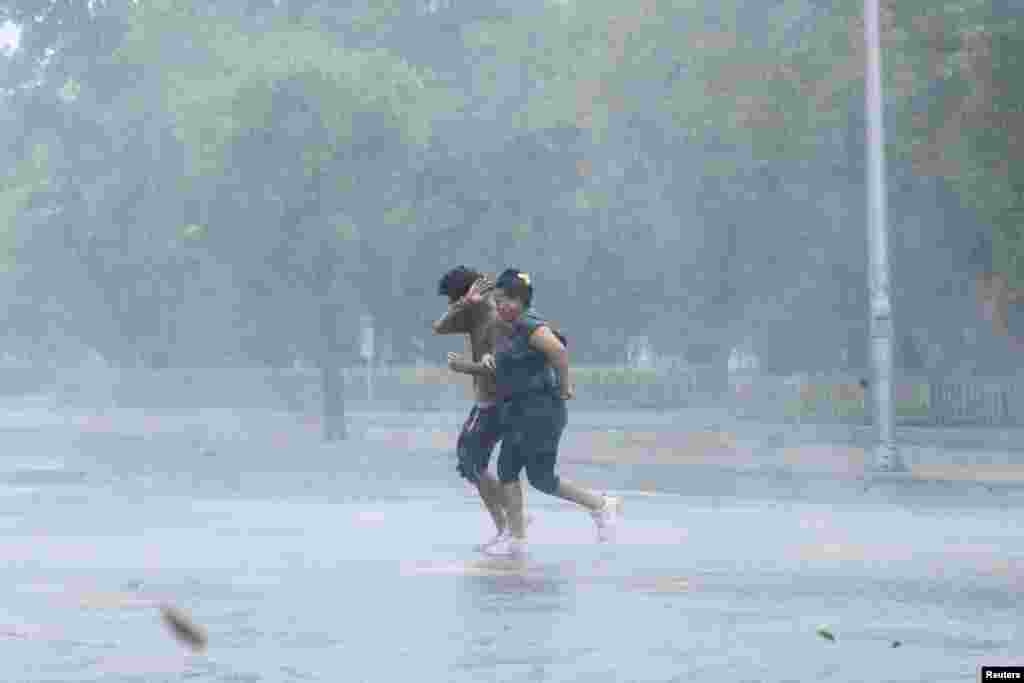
column 241, row 203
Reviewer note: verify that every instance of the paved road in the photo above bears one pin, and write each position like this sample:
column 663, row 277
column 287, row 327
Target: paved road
column 353, row 564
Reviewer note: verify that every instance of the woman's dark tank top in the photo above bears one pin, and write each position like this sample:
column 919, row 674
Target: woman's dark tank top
column 520, row 369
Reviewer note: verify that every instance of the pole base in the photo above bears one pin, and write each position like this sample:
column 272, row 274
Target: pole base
column 887, row 459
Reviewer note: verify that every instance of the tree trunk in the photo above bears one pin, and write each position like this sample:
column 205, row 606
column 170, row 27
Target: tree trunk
column 332, row 380
column 332, row 385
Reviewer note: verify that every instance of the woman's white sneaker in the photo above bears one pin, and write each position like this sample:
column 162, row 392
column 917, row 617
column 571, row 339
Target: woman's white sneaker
column 607, row 518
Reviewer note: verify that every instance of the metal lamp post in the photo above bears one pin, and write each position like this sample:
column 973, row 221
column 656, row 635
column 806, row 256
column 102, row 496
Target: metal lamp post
column 886, row 455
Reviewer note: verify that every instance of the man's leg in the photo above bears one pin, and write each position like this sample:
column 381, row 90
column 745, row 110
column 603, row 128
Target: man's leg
column 474, row 450
column 487, row 434
column 493, row 499
column 493, row 495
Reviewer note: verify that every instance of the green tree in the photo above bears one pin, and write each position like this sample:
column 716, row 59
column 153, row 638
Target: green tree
column 16, row 192
column 290, row 126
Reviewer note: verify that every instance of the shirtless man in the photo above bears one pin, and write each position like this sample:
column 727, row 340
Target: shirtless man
column 472, row 312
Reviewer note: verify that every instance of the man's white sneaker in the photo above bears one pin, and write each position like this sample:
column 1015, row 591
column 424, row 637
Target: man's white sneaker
column 508, row 546
column 607, row 518
column 482, row 547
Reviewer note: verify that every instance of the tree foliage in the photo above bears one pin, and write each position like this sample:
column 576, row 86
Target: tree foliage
column 697, row 167
column 16, row 191
column 218, row 78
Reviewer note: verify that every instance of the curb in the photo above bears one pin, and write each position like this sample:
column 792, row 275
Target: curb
column 954, row 476
column 722, row 479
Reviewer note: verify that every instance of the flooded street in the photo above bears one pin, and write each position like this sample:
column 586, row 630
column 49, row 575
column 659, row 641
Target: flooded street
column 793, row 338
column 355, row 563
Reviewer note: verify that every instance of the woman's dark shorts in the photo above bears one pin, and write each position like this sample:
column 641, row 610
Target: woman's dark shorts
column 533, row 426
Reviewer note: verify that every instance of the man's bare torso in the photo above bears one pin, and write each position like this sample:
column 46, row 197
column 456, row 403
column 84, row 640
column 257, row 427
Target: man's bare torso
column 483, row 326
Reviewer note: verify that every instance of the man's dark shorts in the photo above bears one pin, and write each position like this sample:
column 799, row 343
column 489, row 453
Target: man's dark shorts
column 480, row 434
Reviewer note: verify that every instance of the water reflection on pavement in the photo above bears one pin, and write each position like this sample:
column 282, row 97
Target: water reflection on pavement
column 348, row 565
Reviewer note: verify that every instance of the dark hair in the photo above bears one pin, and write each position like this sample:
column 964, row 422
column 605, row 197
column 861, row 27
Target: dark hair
column 457, row 281
column 516, row 284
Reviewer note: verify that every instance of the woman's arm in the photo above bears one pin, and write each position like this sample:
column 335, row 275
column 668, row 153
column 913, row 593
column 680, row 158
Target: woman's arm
column 545, row 341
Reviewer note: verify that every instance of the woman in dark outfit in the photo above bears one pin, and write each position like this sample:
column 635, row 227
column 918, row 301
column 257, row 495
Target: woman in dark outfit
column 531, row 367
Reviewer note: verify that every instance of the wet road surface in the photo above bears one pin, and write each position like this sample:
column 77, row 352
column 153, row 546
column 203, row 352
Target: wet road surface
column 354, row 563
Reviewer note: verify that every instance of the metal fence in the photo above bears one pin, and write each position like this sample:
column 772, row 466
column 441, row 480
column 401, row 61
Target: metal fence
column 991, row 402
column 965, row 401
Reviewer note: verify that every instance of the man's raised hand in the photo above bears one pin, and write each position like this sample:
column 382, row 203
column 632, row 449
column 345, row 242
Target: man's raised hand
column 476, row 293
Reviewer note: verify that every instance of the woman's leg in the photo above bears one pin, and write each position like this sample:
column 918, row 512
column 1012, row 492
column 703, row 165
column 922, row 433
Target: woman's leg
column 540, row 469
column 541, row 455
column 577, row 494
column 514, row 509
column 510, row 465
